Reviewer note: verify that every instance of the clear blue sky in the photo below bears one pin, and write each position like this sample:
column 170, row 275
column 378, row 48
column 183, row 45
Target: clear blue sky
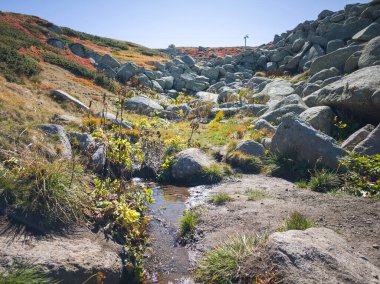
column 158, row 23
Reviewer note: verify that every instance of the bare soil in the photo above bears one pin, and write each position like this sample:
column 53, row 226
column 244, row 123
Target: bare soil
column 356, row 219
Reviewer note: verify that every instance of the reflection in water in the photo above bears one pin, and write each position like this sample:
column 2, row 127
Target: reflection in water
column 175, row 194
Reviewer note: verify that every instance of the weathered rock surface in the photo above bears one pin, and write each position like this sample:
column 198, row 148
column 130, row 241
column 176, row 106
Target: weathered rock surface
column 371, row 53
column 318, row 255
column 299, row 139
column 353, row 93
column 371, row 144
column 143, row 105
column 321, row 118
column 61, row 95
column 357, row 137
column 188, row 166
column 54, row 129
column 114, row 120
column 250, row 147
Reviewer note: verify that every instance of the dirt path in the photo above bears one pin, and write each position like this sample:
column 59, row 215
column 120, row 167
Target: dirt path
column 356, row 219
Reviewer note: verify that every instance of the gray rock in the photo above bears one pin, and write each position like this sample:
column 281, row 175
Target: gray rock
column 371, row 144
column 372, row 12
column 55, row 29
column 330, row 80
column 334, row 44
column 275, row 116
column 317, row 255
column 321, row 118
column 338, row 17
column 297, row 138
column 109, row 62
column 54, row 129
column 371, row 53
column 250, row 147
column 183, row 108
column 294, row 62
column 166, row 82
column 126, row 71
column 207, row 97
column 278, row 89
column 357, row 137
column 99, row 158
column 143, row 105
column 84, row 141
column 266, row 143
column 170, row 115
column 255, row 109
column 71, row 258
column 262, row 124
column 157, row 87
column 211, row 73
column 188, row 165
column 352, row 62
column 352, row 93
column 271, row 66
column 368, row 33
column 324, row 14
column 188, row 60
column 199, row 83
column 56, row 43
column 324, row 74
column 289, row 100
column 110, row 117
column 309, row 89
column 78, row 49
column 313, row 53
column 346, row 31
column 335, row 59
column 61, row 95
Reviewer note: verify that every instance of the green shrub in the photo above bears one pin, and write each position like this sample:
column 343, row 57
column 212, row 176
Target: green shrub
column 363, row 176
column 188, row 222
column 286, row 166
column 221, row 264
column 324, row 181
column 302, row 184
column 22, row 275
column 246, row 163
column 297, row 221
column 43, row 195
column 105, row 82
column 220, row 198
column 14, row 65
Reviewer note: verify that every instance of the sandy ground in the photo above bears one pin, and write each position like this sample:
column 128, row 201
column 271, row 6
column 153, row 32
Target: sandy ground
column 356, row 219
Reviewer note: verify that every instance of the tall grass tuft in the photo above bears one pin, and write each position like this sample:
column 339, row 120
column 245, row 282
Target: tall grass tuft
column 297, row 221
column 324, row 181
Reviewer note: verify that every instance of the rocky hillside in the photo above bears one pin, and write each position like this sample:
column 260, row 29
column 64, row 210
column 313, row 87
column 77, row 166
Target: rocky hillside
column 82, row 117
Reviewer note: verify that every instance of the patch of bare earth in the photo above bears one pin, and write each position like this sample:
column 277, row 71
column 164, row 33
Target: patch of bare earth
column 356, row 219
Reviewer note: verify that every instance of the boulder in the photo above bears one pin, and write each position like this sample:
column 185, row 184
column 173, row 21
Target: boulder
column 78, row 49
column 166, row 82
column 108, row 61
column 289, row 100
column 84, row 141
column 70, row 258
column 188, row 165
column 321, row 118
column 188, row 60
column 324, row 74
column 262, row 124
column 335, row 59
column 114, row 120
column 355, row 93
column 198, row 84
column 56, row 43
column 317, row 255
column 309, row 89
column 334, row 44
column 371, row 53
column 58, row 130
column 143, row 105
column 347, row 30
column 352, row 62
column 371, row 144
column 250, row 147
column 368, row 33
column 276, row 115
column 357, row 137
column 61, row 95
column 99, row 158
column 277, row 90
column 126, row 71
column 299, row 139
column 207, row 97
column 298, row 44
column 211, row 73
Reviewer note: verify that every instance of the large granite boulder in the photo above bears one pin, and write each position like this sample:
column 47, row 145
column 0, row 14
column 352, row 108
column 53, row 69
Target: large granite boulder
column 188, row 166
column 371, row 53
column 321, row 118
column 356, row 93
column 143, row 105
column 368, row 33
column 371, row 144
column 297, row 138
column 317, row 255
column 250, row 147
column 357, row 137
column 276, row 115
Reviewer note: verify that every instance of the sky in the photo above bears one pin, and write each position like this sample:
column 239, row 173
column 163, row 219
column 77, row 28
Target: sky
column 158, row 23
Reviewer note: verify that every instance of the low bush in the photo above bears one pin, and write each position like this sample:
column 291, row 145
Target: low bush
column 220, row 198
column 363, row 176
column 246, row 163
column 254, row 195
column 221, row 264
column 21, row 275
column 286, row 166
column 324, row 181
column 297, row 221
column 213, row 173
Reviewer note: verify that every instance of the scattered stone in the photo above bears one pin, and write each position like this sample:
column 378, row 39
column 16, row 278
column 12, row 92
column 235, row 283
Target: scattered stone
column 61, row 95
column 143, row 105
column 371, row 144
column 54, row 129
column 250, row 147
column 357, row 137
column 321, row 118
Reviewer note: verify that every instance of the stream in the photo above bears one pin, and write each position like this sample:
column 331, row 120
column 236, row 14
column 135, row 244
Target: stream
column 165, row 260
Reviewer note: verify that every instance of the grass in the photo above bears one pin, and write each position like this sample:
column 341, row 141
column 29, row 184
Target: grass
column 21, row 275
column 255, row 194
column 220, row 198
column 221, row 264
column 297, row 221
column 246, row 163
column 43, row 195
column 324, row 181
column 302, row 184
column 213, row 173
column 188, row 222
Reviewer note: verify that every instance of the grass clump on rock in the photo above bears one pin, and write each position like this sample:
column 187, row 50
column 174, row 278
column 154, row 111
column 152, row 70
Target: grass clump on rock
column 220, row 198
column 221, row 264
column 216, row 172
column 246, row 163
column 297, row 221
